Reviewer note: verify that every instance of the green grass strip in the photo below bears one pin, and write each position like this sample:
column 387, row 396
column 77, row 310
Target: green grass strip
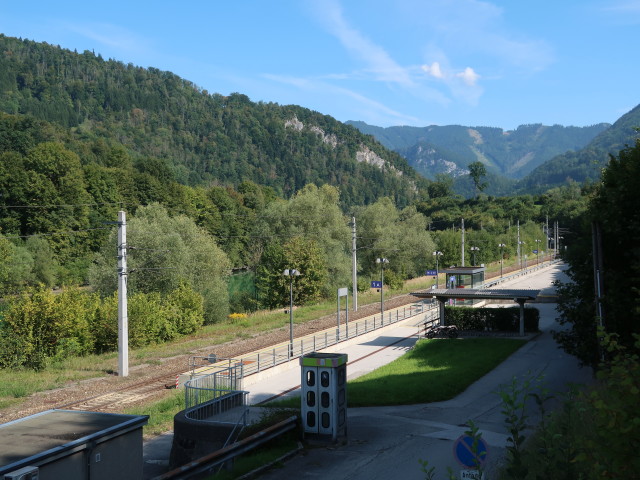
column 434, row 370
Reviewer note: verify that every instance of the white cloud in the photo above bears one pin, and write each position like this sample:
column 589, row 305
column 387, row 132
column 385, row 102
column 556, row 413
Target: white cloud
column 112, row 36
column 468, row 76
column 433, row 70
column 370, row 109
column 624, row 6
column 377, row 60
column 473, row 27
column 623, row 12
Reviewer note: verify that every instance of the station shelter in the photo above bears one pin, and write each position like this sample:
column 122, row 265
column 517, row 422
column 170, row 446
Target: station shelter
column 464, row 277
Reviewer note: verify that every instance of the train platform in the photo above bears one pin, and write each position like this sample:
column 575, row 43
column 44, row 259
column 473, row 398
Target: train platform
column 368, row 352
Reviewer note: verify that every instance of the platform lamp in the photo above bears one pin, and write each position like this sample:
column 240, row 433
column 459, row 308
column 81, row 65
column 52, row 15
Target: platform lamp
column 538, row 252
column 474, row 250
column 291, row 273
column 501, row 245
column 521, row 243
column 382, row 262
column 437, row 254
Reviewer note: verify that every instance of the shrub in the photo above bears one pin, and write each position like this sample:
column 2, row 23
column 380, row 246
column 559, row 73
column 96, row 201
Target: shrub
column 493, row 319
column 234, row 317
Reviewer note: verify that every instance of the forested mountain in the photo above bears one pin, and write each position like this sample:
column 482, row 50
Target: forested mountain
column 449, row 149
column 198, row 138
column 586, row 164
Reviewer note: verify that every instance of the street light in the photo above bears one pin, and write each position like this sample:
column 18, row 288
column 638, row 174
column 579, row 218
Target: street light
column 501, row 245
column 473, row 251
column 521, row 254
column 382, row 262
column 291, row 272
column 537, row 251
column 437, row 254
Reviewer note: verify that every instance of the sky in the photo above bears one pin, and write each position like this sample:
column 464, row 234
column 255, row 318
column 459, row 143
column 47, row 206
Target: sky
column 385, row 62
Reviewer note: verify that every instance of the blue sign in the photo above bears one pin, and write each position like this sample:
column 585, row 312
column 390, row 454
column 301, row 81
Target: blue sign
column 535, row 251
column 432, row 273
column 376, row 284
column 468, row 456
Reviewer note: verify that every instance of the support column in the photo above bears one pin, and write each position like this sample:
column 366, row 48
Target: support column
column 441, row 301
column 521, row 303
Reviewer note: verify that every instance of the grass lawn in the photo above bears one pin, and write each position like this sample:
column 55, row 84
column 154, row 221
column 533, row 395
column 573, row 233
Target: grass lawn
column 160, row 413
column 434, row 370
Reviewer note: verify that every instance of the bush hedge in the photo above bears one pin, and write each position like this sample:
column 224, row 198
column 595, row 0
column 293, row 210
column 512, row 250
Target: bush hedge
column 492, row 319
column 39, row 325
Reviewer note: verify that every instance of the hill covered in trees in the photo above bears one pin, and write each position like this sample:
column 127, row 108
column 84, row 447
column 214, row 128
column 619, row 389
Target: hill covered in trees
column 584, row 165
column 197, row 138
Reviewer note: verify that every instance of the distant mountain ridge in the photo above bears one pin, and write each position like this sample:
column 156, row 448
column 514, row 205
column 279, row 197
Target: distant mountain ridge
column 586, row 164
column 449, row 149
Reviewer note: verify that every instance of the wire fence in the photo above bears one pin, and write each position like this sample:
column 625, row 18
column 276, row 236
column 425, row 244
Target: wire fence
column 215, row 382
column 256, row 362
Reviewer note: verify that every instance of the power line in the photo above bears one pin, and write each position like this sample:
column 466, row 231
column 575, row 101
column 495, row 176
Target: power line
column 64, row 205
column 69, row 232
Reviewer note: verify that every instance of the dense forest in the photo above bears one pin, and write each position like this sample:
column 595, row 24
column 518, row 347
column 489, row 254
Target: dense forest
column 201, row 138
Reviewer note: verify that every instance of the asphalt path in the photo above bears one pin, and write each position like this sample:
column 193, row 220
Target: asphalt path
column 388, row 442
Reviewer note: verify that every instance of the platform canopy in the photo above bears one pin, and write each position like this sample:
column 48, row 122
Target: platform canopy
column 479, row 294
column 521, row 296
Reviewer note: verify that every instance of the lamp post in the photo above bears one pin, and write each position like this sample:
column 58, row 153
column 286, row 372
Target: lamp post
column 501, row 245
column 473, row 251
column 382, row 262
column 537, row 251
column 291, row 272
column 521, row 254
column 437, row 254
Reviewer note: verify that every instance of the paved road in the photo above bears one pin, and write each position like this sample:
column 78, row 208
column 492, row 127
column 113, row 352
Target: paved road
column 387, row 442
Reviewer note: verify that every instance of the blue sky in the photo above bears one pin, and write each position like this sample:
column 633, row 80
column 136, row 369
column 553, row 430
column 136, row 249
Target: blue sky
column 385, row 62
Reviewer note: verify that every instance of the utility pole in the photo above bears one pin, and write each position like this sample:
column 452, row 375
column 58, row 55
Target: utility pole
column 354, row 264
column 123, row 317
column 462, row 242
column 382, row 262
column 518, row 253
column 598, row 267
column 546, row 245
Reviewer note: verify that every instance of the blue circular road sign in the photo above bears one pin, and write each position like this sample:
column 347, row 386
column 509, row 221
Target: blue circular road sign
column 468, row 456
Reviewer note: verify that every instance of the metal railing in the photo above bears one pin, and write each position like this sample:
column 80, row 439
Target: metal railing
column 213, row 394
column 215, row 389
column 257, row 362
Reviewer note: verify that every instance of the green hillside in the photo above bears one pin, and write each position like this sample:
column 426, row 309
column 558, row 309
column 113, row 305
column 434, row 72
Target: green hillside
column 200, row 137
column 586, row 164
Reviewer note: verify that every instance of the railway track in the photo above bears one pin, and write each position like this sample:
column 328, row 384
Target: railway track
column 121, row 397
column 124, row 397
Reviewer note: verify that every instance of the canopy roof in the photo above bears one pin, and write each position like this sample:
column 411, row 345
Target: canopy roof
column 479, row 294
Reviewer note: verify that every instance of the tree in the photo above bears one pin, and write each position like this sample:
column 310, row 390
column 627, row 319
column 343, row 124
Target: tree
column 313, row 213
column 166, row 252
column 441, row 187
column 477, row 171
column 614, row 211
column 399, row 236
column 300, row 253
